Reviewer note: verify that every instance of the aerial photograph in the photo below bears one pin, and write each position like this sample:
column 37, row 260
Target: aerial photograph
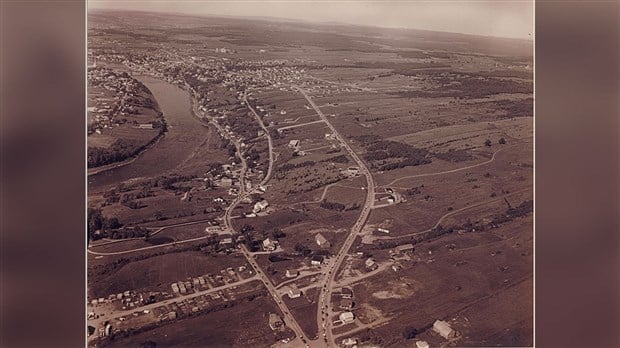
column 299, row 174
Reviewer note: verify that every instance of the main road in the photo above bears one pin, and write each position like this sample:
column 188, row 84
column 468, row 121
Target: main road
column 323, row 318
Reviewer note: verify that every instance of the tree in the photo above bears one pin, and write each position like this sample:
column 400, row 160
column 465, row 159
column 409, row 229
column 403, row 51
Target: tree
column 502, row 141
column 487, row 142
column 112, row 224
column 410, row 332
column 278, row 233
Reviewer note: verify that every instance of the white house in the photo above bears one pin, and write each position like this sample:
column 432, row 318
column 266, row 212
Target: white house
column 346, row 317
column 269, row 245
column 443, row 328
column 259, row 206
column 322, row 241
column 292, row 273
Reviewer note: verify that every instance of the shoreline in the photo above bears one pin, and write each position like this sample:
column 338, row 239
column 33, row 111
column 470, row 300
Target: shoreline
column 147, row 146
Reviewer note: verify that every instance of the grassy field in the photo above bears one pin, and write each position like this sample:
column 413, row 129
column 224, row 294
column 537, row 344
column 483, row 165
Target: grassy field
column 452, row 274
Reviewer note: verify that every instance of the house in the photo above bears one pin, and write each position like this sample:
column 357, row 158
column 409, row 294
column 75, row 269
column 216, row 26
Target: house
column 371, row 264
column 353, row 171
column 346, row 304
column 226, row 182
column 349, row 342
column 226, row 242
column 293, row 143
column 316, row 260
column 346, row 317
column 269, row 245
column 275, row 322
column 391, row 199
column 422, row 344
column 259, row 206
column 292, row 273
column 443, row 328
column 294, row 292
column 405, row 248
column 346, row 293
column 322, row 241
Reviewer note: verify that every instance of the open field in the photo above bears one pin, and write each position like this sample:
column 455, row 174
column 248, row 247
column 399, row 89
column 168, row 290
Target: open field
column 452, row 274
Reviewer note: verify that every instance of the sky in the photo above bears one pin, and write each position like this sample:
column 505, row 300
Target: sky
column 513, row 19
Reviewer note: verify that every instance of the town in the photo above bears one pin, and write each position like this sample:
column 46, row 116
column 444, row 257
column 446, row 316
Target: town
column 244, row 191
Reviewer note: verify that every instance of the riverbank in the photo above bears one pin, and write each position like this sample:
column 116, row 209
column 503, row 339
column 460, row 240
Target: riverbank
column 185, row 132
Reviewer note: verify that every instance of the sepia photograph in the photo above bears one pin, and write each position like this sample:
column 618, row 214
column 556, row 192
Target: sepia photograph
column 309, row 174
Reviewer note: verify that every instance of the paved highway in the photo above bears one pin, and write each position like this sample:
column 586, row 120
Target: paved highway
column 323, row 319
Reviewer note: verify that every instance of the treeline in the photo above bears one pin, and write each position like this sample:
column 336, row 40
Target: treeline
column 382, row 150
column 469, row 87
column 337, row 159
column 454, row 155
column 289, row 166
column 516, row 108
column 523, row 209
column 120, row 150
column 98, row 225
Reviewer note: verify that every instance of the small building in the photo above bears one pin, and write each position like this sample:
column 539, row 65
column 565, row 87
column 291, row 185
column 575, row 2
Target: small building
column 294, row 143
column 172, row 315
column 422, row 344
column 316, row 260
column 226, row 182
column 292, row 273
column 391, row 199
column 226, row 242
column 370, row 263
column 294, row 292
column 260, row 205
column 346, row 304
column 346, row 293
column 322, row 241
column 349, row 342
column 383, row 230
column 269, row 245
column 405, row 248
column 346, row 317
column 353, row 171
column 443, row 328
column 275, row 322
column 145, row 126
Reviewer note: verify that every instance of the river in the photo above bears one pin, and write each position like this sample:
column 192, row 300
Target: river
column 185, row 134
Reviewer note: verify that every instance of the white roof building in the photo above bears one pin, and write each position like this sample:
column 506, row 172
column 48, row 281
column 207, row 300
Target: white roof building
column 346, row 317
column 269, row 245
column 443, row 328
column 321, row 241
column 422, row 344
